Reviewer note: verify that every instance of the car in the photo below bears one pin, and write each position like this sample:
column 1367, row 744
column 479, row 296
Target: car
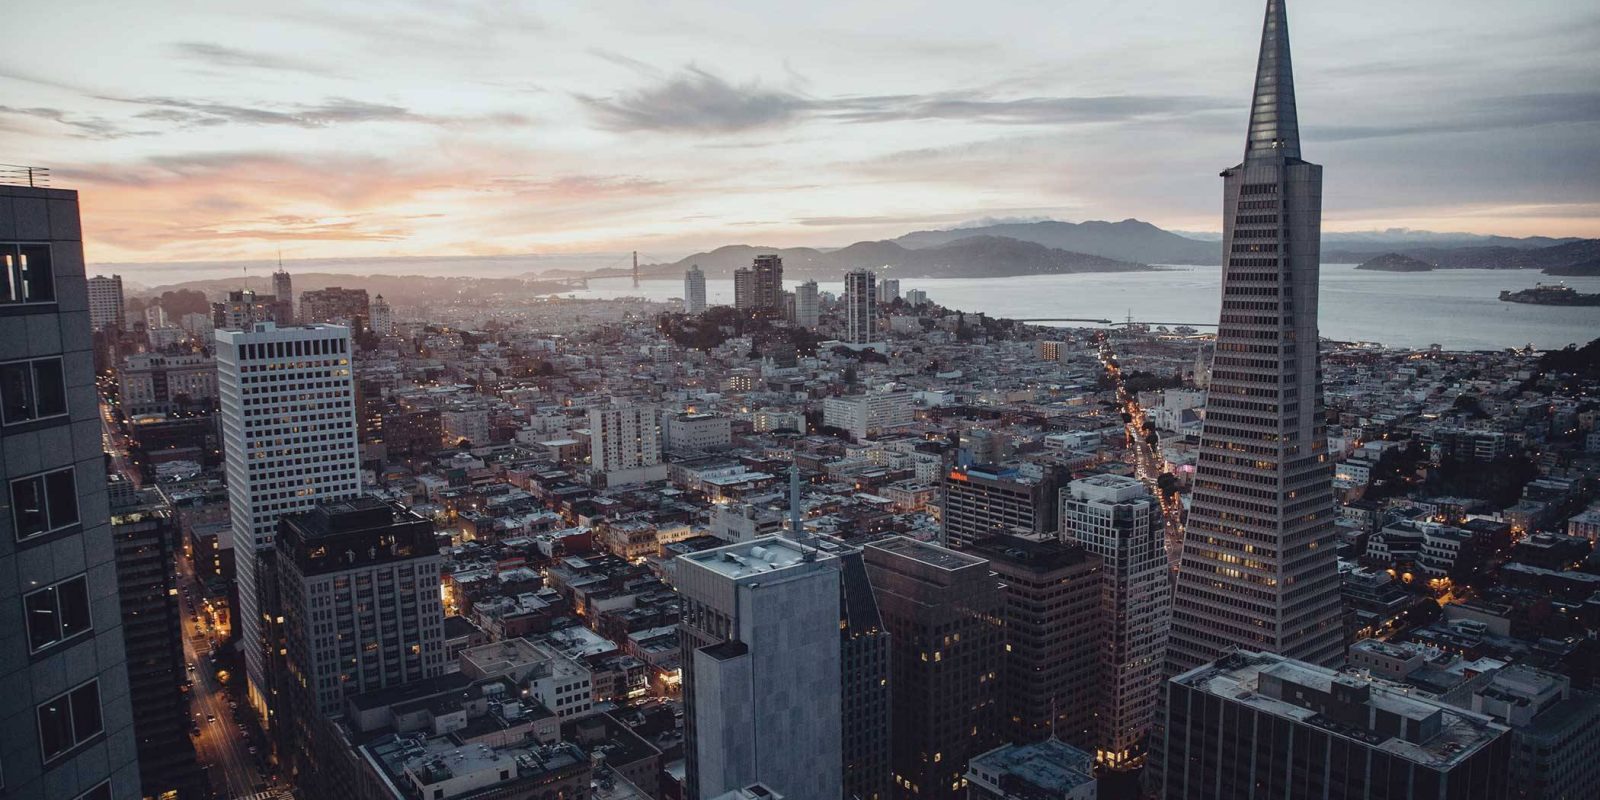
column 191, row 665
column 233, row 705
column 211, row 718
column 194, row 730
column 251, row 749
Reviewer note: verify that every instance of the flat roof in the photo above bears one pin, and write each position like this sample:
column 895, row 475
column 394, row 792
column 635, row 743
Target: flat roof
column 755, row 557
column 931, row 554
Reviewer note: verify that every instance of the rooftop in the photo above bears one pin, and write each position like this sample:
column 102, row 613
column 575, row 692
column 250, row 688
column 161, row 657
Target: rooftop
column 931, row 554
column 1050, row 766
column 755, row 557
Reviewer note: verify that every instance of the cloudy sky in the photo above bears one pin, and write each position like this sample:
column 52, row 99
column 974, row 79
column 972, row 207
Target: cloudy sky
column 217, row 130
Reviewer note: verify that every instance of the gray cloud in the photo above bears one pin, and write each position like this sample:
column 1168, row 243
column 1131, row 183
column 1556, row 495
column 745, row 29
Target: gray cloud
column 83, row 126
column 333, row 111
column 696, row 100
column 217, row 55
column 1493, row 113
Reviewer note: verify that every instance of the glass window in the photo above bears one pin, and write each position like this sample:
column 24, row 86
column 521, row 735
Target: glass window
column 101, row 792
column 25, row 275
column 57, row 613
column 32, row 390
column 44, row 503
column 69, row 720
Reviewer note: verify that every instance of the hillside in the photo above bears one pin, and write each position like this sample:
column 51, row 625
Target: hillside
column 1587, row 268
column 968, row 257
column 1394, row 262
column 1489, row 257
column 1128, row 240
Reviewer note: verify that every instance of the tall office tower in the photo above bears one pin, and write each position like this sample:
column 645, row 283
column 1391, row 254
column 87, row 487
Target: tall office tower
column 242, row 309
column 289, row 442
column 860, row 307
column 865, row 714
column 1261, row 725
column 983, row 500
column 942, row 609
column 761, row 668
column 917, row 297
column 106, row 309
column 888, row 290
column 282, row 297
column 694, row 290
column 806, row 313
column 758, row 288
column 146, row 538
column 66, row 729
column 334, row 304
column 625, row 442
column 1259, row 568
column 380, row 318
column 1116, row 518
column 1050, row 680
column 155, row 317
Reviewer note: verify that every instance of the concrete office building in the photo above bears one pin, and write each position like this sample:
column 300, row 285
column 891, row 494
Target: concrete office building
column 694, row 290
column 865, row 416
column 336, row 305
column 860, row 308
column 146, row 537
column 761, row 668
column 807, row 312
column 1116, row 518
column 687, row 432
column 983, row 500
column 1555, row 732
column 888, row 290
column 1262, row 725
column 289, row 443
column 943, row 611
column 866, row 710
column 157, row 383
column 106, row 303
column 1050, row 681
column 283, row 297
column 66, row 729
column 359, row 582
column 1259, row 565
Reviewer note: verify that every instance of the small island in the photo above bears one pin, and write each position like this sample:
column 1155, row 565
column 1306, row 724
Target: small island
column 1551, row 295
column 1396, row 262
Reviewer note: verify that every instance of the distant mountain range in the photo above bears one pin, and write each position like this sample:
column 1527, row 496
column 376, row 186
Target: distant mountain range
column 1098, row 246
column 964, row 257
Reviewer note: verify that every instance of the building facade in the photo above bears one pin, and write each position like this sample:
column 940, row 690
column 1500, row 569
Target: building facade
column 865, row 697
column 983, row 500
column 283, row 297
column 380, row 318
column 106, row 303
column 1262, row 725
column 1259, row 566
column 860, row 307
column 1116, row 518
column 761, row 668
column 625, row 442
column 758, row 288
column 943, row 612
column 289, row 442
column 807, row 312
column 334, row 304
column 66, row 729
column 156, row 383
column 694, row 290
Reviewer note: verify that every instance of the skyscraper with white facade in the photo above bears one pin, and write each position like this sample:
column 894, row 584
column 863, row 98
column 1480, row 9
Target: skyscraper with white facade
column 289, row 442
column 760, row 635
column 380, row 318
column 106, row 300
column 860, row 307
column 625, row 443
column 67, row 721
column 694, row 290
column 1116, row 518
column 806, row 313
column 1259, row 566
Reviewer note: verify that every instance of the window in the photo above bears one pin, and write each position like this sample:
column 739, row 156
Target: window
column 69, row 720
column 57, row 613
column 44, row 503
column 101, row 792
column 25, row 274
column 32, row 390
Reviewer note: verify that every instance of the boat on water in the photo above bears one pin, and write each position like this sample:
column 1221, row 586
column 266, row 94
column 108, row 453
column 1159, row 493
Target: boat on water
column 1546, row 294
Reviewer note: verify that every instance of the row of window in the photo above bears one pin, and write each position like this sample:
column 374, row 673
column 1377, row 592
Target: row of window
column 294, row 349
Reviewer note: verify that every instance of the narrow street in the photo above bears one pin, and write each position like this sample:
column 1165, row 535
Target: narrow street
column 1148, row 465
column 222, row 746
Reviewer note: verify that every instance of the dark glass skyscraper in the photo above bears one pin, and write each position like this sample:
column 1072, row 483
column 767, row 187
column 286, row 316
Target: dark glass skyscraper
column 1258, row 568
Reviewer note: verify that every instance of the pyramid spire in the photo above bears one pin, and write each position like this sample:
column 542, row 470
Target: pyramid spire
column 1274, row 127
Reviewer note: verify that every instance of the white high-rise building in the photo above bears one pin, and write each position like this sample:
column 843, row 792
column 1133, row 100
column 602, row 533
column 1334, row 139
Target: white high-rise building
column 888, row 290
column 1116, row 518
column 625, row 443
column 860, row 307
column 289, row 442
column 694, row 290
column 380, row 319
column 761, row 668
column 805, row 305
column 155, row 317
column 106, row 303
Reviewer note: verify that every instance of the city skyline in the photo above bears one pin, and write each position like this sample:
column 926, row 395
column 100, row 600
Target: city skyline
column 577, row 131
